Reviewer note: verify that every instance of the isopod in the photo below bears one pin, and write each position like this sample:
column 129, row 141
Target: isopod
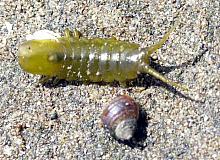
column 74, row 57
column 121, row 116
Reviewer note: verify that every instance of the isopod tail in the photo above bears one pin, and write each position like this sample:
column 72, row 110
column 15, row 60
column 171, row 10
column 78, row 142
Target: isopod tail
column 154, row 73
column 159, row 44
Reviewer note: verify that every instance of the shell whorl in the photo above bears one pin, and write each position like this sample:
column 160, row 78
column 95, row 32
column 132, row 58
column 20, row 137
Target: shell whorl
column 121, row 116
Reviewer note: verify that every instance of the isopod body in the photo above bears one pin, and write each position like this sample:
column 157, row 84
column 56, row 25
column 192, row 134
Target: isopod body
column 73, row 57
column 121, row 117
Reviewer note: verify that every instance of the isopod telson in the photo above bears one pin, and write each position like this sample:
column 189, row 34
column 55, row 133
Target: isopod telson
column 73, row 57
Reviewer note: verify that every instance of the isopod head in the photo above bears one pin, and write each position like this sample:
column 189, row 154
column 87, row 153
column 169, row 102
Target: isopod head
column 121, row 117
column 41, row 56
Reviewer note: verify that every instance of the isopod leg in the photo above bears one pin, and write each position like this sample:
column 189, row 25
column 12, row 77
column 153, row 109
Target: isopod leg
column 159, row 44
column 44, row 79
column 74, row 34
column 48, row 79
column 77, row 34
column 68, row 33
column 123, row 84
column 159, row 76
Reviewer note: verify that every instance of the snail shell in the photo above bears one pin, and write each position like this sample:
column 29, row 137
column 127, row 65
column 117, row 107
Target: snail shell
column 121, row 117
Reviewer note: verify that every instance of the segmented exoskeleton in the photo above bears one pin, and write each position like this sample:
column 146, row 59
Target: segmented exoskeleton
column 73, row 57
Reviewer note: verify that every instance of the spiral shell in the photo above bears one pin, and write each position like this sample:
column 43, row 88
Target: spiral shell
column 121, row 117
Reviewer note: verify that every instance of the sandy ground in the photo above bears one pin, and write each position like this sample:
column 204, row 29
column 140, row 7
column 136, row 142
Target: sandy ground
column 63, row 122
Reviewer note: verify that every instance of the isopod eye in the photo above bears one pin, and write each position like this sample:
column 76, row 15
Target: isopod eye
column 56, row 57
